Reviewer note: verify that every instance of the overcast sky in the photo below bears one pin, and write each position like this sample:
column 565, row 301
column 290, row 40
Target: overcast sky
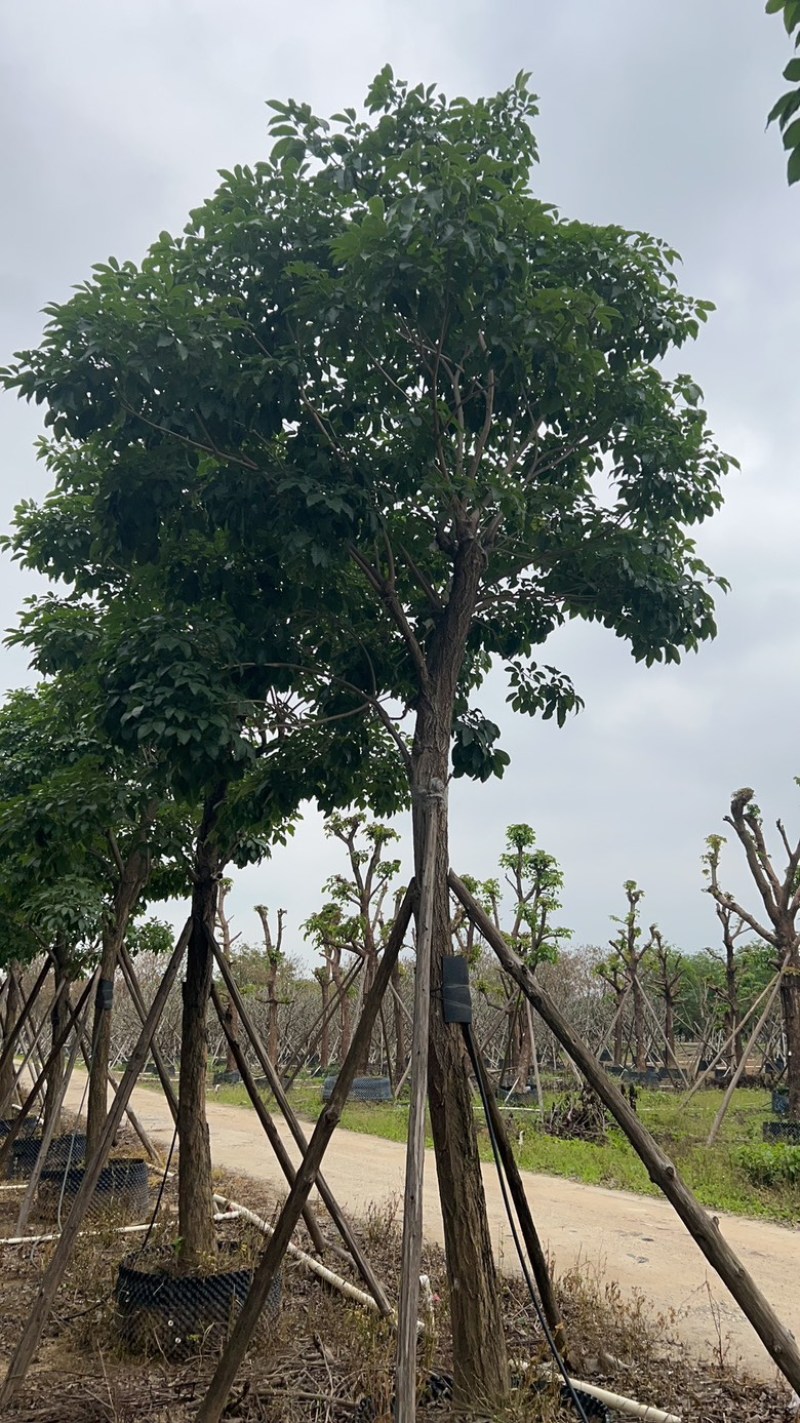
column 113, row 121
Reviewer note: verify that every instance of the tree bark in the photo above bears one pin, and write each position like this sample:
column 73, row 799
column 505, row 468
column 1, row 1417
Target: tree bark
column 790, row 1002
column 195, row 1184
column 399, row 1024
column 59, row 1016
column 13, row 999
column 480, row 1366
column 639, row 1036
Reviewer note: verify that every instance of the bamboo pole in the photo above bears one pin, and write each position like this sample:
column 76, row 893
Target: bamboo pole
column 315, row 1267
column 364, row 1268
column 411, row 1249
column 776, row 1338
column 213, row 1404
column 282, row 1155
column 740, row 1066
column 53, row 1275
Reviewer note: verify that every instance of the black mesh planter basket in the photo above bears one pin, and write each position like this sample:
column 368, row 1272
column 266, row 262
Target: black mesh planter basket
column 63, row 1151
column 179, row 1313
column 27, row 1129
column 223, row 1079
column 780, row 1101
column 364, row 1089
column 782, row 1131
column 122, row 1188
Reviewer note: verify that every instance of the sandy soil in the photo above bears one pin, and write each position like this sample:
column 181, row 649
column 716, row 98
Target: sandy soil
column 634, row 1240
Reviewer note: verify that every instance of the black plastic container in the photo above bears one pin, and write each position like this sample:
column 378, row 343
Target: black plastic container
column 364, row 1089
column 788, row 1132
column 63, row 1151
column 122, row 1188
column 178, row 1313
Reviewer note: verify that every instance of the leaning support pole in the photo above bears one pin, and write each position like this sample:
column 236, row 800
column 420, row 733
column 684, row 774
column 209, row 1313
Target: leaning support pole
column 50, row 1130
column 411, row 1249
column 272, row 1133
column 728, row 1041
column 742, row 1063
column 129, row 974
column 25, row 1110
column 329, row 1200
column 217, row 1396
column 533, row 1245
column 53, row 1275
column 774, row 1335
column 12, row 1039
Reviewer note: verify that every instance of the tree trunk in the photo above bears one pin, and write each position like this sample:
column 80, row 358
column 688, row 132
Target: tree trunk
column 367, row 979
column 325, row 1034
column 273, row 1043
column 13, row 1002
column 195, row 1185
column 479, row 1352
column 399, row 1024
column 638, row 1023
column 619, row 1032
column 790, row 1001
column 670, row 1055
column 59, row 1014
column 133, row 876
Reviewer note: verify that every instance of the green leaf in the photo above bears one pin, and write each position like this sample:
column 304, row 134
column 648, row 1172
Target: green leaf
column 793, row 169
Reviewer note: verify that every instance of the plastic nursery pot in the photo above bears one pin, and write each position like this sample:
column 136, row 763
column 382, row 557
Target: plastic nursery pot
column 122, row 1189
column 782, row 1131
column 364, row 1089
column 780, row 1101
column 179, row 1314
column 27, row 1129
column 63, row 1151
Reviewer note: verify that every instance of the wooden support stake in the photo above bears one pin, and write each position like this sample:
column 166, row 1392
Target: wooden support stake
column 11, row 1041
column 411, row 1250
column 129, row 974
column 50, row 1129
column 25, row 1109
column 213, row 1404
column 273, row 1136
column 748, row 1015
column 776, row 1338
column 362, row 1264
column 53, row 1275
column 734, row 1082
column 533, row 1245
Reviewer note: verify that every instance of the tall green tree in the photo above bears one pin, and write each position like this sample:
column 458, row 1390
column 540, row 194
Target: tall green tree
column 403, row 387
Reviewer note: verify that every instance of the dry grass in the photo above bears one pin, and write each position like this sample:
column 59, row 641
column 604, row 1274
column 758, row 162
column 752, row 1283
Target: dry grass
column 324, row 1357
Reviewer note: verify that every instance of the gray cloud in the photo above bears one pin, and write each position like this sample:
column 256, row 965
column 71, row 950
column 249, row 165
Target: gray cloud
column 113, row 122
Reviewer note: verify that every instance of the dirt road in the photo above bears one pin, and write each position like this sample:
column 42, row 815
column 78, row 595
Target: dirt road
column 633, row 1240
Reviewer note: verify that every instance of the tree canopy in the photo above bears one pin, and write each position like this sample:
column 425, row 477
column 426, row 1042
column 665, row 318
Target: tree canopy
column 786, row 112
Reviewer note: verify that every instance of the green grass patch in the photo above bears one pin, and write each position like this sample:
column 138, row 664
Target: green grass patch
column 739, row 1174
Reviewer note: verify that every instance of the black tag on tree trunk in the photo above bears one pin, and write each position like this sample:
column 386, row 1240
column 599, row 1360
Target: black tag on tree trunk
column 456, row 1000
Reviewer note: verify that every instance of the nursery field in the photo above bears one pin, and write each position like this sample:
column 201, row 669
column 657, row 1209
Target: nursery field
column 738, row 1174
column 325, row 1358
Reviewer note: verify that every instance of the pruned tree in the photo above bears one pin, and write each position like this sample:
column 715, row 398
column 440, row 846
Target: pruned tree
column 273, row 957
column 780, row 896
column 621, row 970
column 668, row 969
column 732, row 927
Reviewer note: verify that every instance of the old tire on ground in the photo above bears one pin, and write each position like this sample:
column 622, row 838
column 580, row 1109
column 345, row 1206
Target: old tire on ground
column 63, row 1151
column 178, row 1313
column 123, row 1187
column 364, row 1089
